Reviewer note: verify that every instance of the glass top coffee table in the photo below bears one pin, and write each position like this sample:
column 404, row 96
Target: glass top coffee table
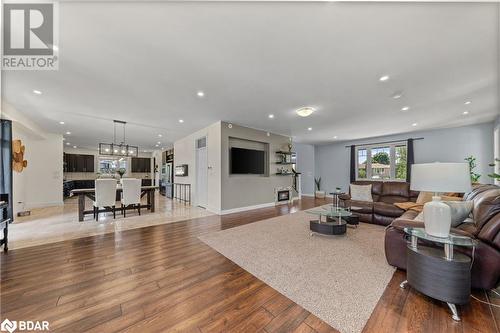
column 331, row 221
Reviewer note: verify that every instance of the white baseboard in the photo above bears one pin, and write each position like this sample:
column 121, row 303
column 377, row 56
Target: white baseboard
column 307, row 195
column 34, row 205
column 242, row 209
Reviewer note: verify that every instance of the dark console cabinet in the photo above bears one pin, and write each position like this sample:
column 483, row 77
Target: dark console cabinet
column 141, row 164
column 78, row 163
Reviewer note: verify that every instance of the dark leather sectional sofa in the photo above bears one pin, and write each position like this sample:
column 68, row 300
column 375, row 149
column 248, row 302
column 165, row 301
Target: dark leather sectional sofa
column 382, row 210
column 485, row 228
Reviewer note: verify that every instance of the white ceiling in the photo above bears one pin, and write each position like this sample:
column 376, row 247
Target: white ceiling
column 144, row 62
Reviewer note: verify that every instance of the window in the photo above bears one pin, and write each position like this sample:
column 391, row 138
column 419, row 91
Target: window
column 381, row 162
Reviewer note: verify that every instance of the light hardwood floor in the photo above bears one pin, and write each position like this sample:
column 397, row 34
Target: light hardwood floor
column 162, row 278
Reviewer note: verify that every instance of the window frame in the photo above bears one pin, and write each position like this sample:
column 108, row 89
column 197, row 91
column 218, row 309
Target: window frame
column 392, row 156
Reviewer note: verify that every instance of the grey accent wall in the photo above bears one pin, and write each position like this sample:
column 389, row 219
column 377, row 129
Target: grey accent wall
column 250, row 190
column 443, row 145
column 306, row 166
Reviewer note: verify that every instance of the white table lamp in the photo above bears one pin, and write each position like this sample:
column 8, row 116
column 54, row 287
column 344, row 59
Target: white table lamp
column 439, row 177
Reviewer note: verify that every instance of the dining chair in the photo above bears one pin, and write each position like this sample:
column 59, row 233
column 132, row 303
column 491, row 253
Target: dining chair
column 105, row 196
column 131, row 194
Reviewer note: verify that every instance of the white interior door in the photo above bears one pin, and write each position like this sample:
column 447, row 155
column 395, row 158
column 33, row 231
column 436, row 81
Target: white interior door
column 201, row 173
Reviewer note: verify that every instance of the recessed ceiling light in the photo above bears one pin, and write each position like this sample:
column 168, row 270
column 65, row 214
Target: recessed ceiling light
column 465, row 113
column 414, row 124
column 55, row 47
column 74, row 147
column 159, row 135
column 38, row 92
column 106, row 150
column 309, row 128
column 335, row 137
column 200, row 94
column 144, row 151
column 67, row 143
column 467, row 103
column 383, row 78
column 271, row 116
column 157, row 145
column 61, row 122
column 305, row 112
column 181, row 120
column 64, row 139
column 405, row 108
column 68, row 133
column 397, row 95
column 115, row 151
column 159, row 142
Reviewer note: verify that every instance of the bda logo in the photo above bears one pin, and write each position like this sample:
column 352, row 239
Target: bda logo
column 8, row 325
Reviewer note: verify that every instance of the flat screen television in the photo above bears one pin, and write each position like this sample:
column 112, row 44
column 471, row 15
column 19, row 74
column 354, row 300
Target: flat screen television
column 247, row 161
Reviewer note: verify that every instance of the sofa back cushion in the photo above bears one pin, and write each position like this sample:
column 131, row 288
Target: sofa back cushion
column 376, row 188
column 395, row 192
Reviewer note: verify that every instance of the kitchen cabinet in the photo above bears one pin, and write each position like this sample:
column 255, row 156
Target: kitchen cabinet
column 141, row 164
column 78, row 163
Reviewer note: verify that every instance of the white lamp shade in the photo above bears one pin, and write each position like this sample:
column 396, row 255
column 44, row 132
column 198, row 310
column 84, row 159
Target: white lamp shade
column 441, row 177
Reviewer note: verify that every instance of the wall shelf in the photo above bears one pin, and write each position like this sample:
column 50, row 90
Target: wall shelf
column 285, row 163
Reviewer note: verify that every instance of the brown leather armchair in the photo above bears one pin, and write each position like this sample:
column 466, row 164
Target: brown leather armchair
column 485, row 228
column 382, row 210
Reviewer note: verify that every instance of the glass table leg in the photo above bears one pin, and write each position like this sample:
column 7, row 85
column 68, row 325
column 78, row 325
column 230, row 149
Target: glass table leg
column 454, row 312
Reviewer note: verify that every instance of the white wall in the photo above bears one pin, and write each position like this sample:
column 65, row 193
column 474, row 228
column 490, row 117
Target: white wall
column 443, row 145
column 41, row 183
column 185, row 153
column 306, row 166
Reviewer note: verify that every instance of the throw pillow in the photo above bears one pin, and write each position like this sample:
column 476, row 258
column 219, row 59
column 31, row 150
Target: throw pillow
column 409, row 206
column 361, row 192
column 419, row 217
column 424, row 197
column 460, row 210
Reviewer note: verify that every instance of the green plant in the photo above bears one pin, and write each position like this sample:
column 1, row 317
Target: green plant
column 494, row 175
column 121, row 172
column 474, row 177
column 317, row 181
column 381, row 158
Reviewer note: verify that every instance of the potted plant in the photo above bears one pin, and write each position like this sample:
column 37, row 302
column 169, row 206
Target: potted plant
column 474, row 177
column 318, row 194
column 121, row 172
column 494, row 175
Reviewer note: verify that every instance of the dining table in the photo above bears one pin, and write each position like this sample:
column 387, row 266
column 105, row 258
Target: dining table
column 82, row 193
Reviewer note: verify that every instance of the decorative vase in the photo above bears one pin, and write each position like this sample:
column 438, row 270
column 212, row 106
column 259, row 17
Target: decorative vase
column 437, row 218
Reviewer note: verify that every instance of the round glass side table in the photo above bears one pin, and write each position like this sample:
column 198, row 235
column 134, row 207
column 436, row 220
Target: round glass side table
column 440, row 273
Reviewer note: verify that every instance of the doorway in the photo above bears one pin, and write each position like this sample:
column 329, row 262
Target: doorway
column 201, row 172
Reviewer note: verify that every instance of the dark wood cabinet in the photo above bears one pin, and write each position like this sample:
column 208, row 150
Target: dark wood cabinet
column 141, row 164
column 78, row 163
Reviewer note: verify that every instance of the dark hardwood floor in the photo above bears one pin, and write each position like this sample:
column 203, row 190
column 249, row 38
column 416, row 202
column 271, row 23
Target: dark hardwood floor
column 162, row 278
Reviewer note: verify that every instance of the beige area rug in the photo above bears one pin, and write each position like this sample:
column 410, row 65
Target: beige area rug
column 337, row 278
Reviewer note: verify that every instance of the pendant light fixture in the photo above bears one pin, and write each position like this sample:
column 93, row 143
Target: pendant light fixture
column 118, row 149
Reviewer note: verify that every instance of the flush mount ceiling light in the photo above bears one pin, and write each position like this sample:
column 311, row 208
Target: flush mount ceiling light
column 405, row 108
column 120, row 149
column 383, row 78
column 200, row 94
column 271, row 116
column 397, row 95
column 181, row 120
column 38, row 92
column 467, row 103
column 305, row 112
